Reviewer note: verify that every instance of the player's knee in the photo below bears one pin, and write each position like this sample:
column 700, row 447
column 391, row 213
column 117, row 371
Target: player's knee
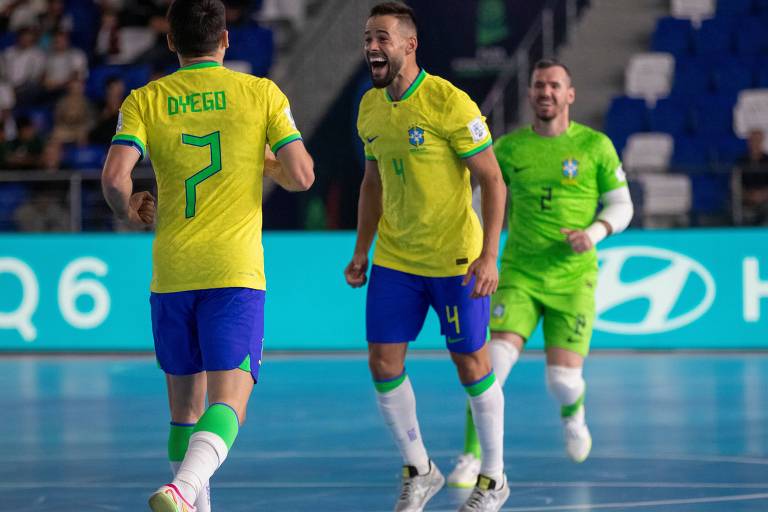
column 383, row 368
column 565, row 384
column 472, row 367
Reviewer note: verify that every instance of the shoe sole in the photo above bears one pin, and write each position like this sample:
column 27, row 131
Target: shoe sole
column 162, row 503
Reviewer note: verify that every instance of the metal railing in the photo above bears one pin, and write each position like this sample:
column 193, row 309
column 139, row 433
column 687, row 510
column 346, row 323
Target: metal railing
column 68, row 189
column 502, row 106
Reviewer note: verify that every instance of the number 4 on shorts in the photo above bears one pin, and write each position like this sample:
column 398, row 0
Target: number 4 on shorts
column 191, row 183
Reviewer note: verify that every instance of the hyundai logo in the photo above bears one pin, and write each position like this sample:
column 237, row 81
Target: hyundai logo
column 677, row 293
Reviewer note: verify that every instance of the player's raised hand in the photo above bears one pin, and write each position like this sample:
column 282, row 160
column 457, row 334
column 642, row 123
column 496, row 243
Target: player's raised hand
column 355, row 272
column 486, row 276
column 141, row 209
column 578, row 239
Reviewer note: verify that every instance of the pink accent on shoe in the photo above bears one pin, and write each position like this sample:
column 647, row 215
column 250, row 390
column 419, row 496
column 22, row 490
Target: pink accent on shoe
column 175, row 493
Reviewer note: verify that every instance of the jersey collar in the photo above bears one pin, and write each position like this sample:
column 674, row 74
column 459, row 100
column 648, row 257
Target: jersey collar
column 201, row 65
column 411, row 88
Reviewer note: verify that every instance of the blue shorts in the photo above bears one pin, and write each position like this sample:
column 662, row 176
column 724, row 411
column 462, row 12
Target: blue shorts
column 208, row 330
column 398, row 303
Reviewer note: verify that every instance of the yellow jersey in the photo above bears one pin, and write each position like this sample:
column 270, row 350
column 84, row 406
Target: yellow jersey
column 204, row 128
column 427, row 227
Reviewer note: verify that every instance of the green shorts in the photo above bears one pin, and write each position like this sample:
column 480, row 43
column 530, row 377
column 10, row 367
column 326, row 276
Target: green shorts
column 568, row 316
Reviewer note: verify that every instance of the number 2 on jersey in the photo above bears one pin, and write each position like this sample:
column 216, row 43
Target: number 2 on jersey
column 191, row 183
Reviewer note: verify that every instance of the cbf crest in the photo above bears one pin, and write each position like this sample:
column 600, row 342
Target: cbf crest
column 416, row 137
column 570, row 171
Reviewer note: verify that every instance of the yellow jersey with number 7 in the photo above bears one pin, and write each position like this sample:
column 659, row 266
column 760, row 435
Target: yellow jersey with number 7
column 204, row 128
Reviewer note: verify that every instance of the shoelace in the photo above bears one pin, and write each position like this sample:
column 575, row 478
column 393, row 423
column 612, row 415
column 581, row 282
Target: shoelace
column 404, row 495
column 476, row 498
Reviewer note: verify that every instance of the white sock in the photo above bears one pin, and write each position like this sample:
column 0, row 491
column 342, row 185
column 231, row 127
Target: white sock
column 205, row 454
column 398, row 407
column 203, row 503
column 488, row 415
column 504, row 355
column 567, row 386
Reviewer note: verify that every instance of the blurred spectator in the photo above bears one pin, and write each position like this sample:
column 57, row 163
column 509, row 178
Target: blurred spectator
column 53, row 21
column 106, row 125
column 24, row 65
column 22, row 13
column 73, row 116
column 108, row 37
column 64, row 64
column 754, row 180
column 44, row 212
column 24, row 152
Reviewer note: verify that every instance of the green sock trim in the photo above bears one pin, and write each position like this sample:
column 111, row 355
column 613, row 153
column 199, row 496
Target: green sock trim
column 567, row 411
column 178, row 441
column 471, row 442
column 385, row 386
column 481, row 386
column 246, row 364
column 220, row 419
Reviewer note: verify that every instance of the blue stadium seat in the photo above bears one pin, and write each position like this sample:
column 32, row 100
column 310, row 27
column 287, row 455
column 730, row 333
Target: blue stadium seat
column 133, row 76
column 711, row 192
column 41, row 117
column 252, row 44
column 715, row 37
column 85, row 157
column 713, row 115
column 762, row 75
column 692, row 78
column 86, row 21
column 12, row 195
column 732, row 76
column 730, row 149
column 734, row 7
column 671, row 115
column 625, row 117
column 672, row 35
column 691, row 154
column 761, row 7
column 752, row 36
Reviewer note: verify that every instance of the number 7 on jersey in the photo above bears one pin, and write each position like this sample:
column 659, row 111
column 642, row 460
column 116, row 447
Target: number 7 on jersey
column 191, row 183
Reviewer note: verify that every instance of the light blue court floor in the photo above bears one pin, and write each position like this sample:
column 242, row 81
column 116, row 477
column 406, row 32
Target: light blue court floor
column 672, row 432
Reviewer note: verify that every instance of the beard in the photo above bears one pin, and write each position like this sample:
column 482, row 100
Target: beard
column 392, row 68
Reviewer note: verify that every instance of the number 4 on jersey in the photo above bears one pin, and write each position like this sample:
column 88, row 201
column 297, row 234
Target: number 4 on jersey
column 191, row 183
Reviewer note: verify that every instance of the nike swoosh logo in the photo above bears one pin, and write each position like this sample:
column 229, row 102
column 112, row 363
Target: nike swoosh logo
column 455, row 340
column 521, row 169
column 371, row 139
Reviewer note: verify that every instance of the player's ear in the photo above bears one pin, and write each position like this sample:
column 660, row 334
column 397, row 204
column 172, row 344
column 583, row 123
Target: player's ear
column 171, row 46
column 571, row 95
column 224, row 43
column 412, row 44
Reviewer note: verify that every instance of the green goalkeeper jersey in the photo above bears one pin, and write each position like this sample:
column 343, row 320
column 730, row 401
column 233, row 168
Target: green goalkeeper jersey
column 554, row 183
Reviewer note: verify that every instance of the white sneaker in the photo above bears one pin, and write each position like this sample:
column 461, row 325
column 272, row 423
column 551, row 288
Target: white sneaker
column 417, row 489
column 465, row 473
column 578, row 440
column 169, row 499
column 487, row 496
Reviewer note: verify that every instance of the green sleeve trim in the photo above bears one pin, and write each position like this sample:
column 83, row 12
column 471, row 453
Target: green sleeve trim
column 130, row 138
column 370, row 158
column 178, row 441
column 477, row 150
column 481, row 386
column 567, row 411
column 385, row 386
column 282, row 142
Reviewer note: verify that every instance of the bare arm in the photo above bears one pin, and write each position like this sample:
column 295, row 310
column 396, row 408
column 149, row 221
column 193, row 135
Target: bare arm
column 485, row 168
column 368, row 215
column 292, row 169
column 116, row 184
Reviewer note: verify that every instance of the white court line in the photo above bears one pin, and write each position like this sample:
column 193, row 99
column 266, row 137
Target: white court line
column 378, row 484
column 359, row 454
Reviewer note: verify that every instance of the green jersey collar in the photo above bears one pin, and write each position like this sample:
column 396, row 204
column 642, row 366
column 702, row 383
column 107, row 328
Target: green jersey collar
column 411, row 88
column 201, row 65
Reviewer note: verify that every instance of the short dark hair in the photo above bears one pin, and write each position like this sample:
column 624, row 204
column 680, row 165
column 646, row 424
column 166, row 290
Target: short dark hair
column 399, row 10
column 551, row 63
column 196, row 26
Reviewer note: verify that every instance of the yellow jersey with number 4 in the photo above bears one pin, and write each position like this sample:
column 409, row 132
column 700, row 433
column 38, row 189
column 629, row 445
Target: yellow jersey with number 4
column 204, row 128
column 427, row 227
